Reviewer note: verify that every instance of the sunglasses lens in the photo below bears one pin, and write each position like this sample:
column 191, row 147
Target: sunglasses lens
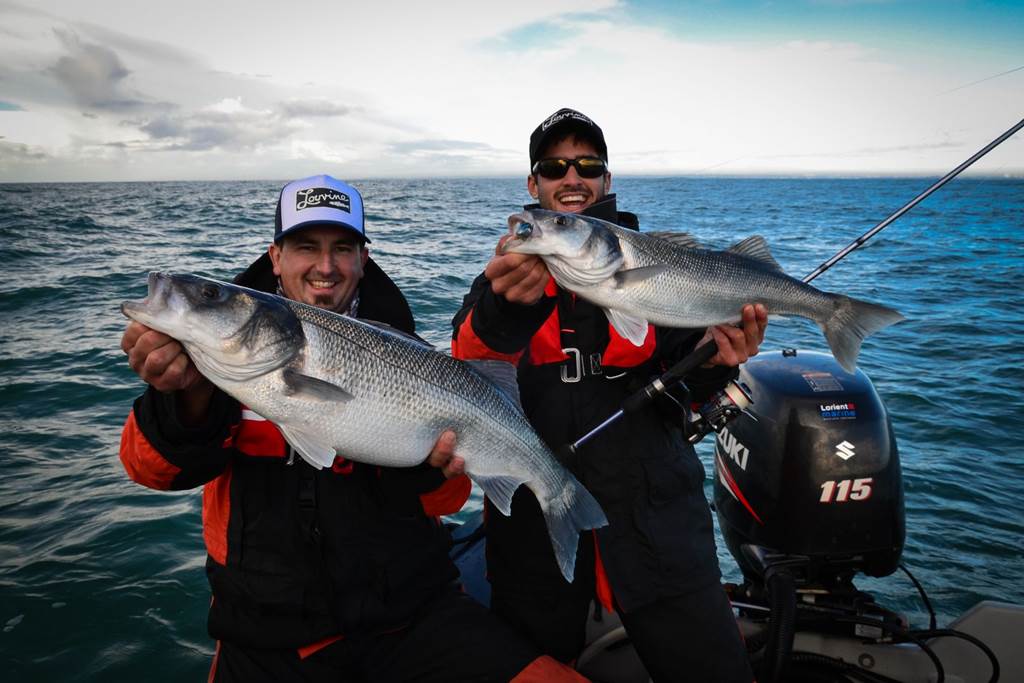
column 589, row 167
column 553, row 169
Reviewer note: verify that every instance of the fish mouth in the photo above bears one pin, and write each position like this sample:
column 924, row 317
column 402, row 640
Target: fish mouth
column 516, row 238
column 142, row 310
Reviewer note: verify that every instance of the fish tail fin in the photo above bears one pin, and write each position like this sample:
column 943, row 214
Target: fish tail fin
column 566, row 514
column 851, row 322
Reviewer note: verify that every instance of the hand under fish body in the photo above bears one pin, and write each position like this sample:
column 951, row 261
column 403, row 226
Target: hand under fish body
column 666, row 279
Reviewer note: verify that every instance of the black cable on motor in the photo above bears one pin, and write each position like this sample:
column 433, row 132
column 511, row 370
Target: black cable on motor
column 940, row 673
column 834, row 664
column 924, row 597
column 782, row 625
column 899, row 634
column 953, row 633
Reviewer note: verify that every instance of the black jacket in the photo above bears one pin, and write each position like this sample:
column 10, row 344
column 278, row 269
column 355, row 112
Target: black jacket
column 649, row 482
column 297, row 554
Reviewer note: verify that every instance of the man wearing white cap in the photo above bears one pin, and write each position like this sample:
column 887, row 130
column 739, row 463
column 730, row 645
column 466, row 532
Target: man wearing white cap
column 339, row 574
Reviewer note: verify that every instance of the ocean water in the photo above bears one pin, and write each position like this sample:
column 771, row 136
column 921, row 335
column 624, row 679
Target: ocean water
column 101, row 579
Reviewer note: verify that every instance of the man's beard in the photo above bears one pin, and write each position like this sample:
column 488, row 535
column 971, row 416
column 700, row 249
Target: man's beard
column 328, row 303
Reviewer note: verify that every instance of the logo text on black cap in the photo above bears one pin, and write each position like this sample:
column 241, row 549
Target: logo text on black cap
column 562, row 114
column 315, row 197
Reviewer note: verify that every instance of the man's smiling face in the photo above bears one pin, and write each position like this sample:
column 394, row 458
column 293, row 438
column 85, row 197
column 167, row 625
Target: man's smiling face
column 570, row 193
column 320, row 266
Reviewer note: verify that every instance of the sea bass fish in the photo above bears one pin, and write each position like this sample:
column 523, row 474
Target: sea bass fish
column 665, row 278
column 334, row 384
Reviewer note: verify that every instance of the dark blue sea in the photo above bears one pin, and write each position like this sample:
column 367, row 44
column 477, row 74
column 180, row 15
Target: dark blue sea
column 101, row 579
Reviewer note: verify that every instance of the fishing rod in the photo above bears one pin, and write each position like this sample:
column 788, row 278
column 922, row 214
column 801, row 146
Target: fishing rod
column 734, row 399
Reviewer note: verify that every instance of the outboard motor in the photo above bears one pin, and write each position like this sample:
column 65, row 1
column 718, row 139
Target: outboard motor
column 808, row 492
column 811, row 472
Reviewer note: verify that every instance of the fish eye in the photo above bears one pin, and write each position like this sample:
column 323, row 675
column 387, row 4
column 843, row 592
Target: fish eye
column 561, row 221
column 209, row 291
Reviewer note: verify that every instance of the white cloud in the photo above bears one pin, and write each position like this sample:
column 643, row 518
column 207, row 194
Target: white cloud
column 232, row 89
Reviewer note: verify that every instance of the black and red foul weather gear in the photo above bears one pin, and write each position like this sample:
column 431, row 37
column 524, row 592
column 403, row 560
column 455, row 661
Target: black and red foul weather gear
column 575, row 371
column 318, row 574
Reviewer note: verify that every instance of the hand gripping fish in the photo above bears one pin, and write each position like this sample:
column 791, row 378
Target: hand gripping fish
column 666, row 279
column 337, row 384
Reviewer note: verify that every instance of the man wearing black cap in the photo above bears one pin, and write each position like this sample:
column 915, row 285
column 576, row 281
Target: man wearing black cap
column 655, row 563
column 335, row 574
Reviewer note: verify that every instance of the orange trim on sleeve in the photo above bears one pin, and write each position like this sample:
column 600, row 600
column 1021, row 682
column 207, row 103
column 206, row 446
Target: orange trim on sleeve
column 141, row 461
column 448, row 498
column 468, row 346
column 604, row 586
column 213, row 666
column 312, row 649
column 216, row 514
column 547, row 669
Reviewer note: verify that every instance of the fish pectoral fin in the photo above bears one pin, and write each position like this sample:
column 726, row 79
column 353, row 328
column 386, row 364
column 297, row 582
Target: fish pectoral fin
column 503, row 374
column 499, row 488
column 299, row 384
column 312, row 449
column 634, row 276
column 680, row 239
column 756, row 248
column 628, row 326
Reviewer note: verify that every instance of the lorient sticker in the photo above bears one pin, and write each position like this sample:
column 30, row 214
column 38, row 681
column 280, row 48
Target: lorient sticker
column 822, row 381
column 838, row 411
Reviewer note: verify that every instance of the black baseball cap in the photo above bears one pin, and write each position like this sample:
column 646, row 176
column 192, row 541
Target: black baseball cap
column 559, row 124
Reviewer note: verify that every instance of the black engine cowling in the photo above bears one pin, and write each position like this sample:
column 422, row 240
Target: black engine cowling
column 816, row 475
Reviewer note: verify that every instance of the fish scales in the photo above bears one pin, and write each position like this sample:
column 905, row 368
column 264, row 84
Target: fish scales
column 388, row 404
column 336, row 385
column 667, row 280
column 721, row 280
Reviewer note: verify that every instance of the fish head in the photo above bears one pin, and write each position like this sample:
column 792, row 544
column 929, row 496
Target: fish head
column 230, row 332
column 577, row 249
column 566, row 235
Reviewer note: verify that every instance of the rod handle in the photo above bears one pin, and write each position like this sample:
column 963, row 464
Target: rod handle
column 656, row 388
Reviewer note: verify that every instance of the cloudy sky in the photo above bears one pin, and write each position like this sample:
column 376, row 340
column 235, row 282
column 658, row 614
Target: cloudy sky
column 117, row 90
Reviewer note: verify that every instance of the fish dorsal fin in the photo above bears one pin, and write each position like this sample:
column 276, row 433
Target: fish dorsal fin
column 756, row 248
column 298, row 384
column 502, row 374
column 310, row 447
column 401, row 333
column 629, row 327
column 680, row 239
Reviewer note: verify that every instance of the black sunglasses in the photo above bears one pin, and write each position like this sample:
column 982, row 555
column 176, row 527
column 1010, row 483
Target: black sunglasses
column 586, row 167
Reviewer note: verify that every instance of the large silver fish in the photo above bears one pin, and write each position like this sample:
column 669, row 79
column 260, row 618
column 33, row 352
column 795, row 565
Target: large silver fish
column 336, row 384
column 666, row 279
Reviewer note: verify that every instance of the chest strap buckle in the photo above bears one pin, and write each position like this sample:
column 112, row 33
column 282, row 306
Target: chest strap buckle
column 576, row 363
column 574, row 369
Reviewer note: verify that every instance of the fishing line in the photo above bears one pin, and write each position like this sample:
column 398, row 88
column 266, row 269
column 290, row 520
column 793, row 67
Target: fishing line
column 981, row 80
column 703, row 354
